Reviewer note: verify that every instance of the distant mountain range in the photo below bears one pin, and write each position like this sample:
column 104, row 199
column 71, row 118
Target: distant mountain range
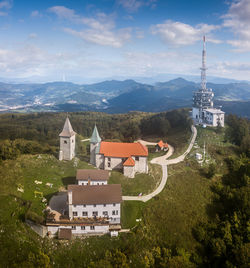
column 119, row 96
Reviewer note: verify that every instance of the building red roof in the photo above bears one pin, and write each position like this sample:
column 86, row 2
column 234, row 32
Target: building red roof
column 130, row 162
column 119, row 149
column 161, row 144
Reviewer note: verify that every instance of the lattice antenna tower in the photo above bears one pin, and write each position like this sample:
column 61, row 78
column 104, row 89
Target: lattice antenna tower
column 204, row 68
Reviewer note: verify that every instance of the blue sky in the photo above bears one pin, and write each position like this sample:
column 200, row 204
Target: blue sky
column 85, row 40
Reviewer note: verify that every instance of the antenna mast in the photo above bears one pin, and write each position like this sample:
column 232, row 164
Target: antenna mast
column 203, row 68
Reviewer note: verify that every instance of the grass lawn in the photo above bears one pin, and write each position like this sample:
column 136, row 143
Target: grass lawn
column 130, row 211
column 180, row 142
column 142, row 183
column 154, row 154
column 24, row 171
column 187, row 196
column 184, row 202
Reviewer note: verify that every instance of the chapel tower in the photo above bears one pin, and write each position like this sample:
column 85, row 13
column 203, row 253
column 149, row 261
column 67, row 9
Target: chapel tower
column 67, row 142
column 95, row 141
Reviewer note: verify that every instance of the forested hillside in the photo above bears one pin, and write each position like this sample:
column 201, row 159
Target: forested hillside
column 38, row 132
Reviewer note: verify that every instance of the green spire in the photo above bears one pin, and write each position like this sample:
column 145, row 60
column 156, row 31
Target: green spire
column 95, row 138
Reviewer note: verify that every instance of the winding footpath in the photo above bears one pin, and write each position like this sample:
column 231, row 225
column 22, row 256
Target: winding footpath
column 162, row 160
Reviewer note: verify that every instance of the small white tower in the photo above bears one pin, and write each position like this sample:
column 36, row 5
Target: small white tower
column 95, row 142
column 67, row 142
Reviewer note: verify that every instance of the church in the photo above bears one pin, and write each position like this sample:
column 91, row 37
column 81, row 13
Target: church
column 131, row 158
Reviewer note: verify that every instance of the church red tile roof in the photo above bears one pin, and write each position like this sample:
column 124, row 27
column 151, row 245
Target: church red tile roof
column 130, row 162
column 119, row 149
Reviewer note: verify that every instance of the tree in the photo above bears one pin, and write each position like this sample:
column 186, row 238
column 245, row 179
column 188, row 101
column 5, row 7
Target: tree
column 211, row 170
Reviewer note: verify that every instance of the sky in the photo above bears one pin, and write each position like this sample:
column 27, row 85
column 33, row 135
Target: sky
column 90, row 40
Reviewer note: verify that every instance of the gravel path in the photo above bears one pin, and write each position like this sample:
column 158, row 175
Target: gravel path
column 162, row 160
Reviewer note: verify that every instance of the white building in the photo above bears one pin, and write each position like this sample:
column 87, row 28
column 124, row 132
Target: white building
column 214, row 117
column 128, row 157
column 203, row 111
column 67, row 142
column 92, row 210
column 95, row 201
column 92, row 177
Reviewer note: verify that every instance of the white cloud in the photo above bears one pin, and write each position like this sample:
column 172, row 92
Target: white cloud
column 238, row 20
column 176, row 33
column 134, row 5
column 32, row 35
column 102, row 37
column 100, row 30
column 35, row 13
column 5, row 5
column 64, row 13
column 231, row 69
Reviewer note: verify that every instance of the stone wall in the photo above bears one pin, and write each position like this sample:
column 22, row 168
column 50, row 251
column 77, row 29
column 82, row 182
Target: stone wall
column 129, row 171
column 67, row 146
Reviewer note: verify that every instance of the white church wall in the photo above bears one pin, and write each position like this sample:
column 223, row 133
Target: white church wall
column 141, row 165
column 129, row 171
column 67, row 146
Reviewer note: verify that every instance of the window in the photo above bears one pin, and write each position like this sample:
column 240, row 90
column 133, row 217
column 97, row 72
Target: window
column 94, row 205
column 114, row 205
column 65, row 142
column 109, row 159
column 74, row 213
column 109, row 165
column 95, row 213
column 82, row 227
column 92, row 227
column 72, row 141
column 137, row 158
column 85, row 214
column 84, row 206
column 113, row 212
column 73, row 227
column 74, row 206
column 105, row 213
column 116, row 212
column 104, row 205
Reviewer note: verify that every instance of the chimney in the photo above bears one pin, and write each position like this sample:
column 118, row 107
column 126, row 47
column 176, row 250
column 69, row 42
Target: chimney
column 70, row 197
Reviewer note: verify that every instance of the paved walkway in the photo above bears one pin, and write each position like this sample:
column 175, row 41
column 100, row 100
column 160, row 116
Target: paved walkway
column 162, row 160
column 85, row 140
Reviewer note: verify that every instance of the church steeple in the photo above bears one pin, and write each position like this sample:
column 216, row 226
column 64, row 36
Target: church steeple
column 67, row 129
column 95, row 143
column 95, row 138
column 67, row 142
